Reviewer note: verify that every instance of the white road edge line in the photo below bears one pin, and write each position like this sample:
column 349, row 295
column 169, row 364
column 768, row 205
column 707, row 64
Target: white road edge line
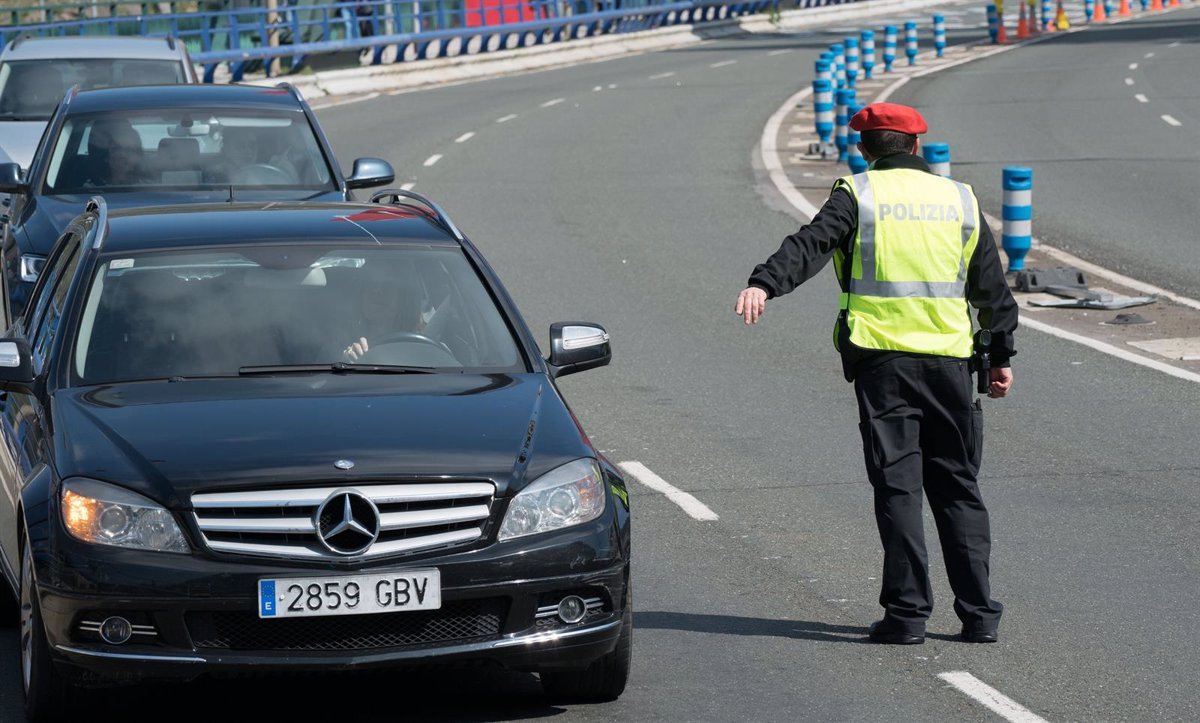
column 506, row 118
column 769, row 153
column 465, row 137
column 432, row 160
column 990, row 698
column 694, row 507
column 1141, row 98
column 773, row 53
column 554, row 102
column 723, row 63
column 1174, row 44
column 348, row 101
column 660, row 76
column 1171, row 121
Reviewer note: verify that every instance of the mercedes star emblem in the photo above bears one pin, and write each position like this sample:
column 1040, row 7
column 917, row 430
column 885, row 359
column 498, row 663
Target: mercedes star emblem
column 347, row 523
column 344, row 464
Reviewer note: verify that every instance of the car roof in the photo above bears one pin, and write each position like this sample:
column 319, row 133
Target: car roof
column 145, row 97
column 91, row 47
column 269, row 223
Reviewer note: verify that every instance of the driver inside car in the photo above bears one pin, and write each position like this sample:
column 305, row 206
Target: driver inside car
column 386, row 304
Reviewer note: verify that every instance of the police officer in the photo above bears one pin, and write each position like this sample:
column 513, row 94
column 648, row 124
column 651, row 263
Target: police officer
column 912, row 253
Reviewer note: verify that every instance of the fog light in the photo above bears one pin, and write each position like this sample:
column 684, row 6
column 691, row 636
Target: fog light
column 571, row 609
column 116, row 630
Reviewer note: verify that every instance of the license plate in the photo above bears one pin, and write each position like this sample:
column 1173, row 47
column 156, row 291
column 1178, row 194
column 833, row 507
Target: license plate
column 350, row 594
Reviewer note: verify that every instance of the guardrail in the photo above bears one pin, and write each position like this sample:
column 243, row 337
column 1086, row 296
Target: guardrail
column 247, row 38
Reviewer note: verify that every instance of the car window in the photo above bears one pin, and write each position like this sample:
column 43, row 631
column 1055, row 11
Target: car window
column 30, row 89
column 187, row 149
column 161, row 315
column 45, row 283
column 47, row 326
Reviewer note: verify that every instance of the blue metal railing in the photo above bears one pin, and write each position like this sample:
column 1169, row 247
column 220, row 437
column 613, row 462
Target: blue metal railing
column 398, row 30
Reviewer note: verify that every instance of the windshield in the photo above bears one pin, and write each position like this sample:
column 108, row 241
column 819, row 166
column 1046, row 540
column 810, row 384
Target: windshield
column 31, row 89
column 218, row 313
column 187, row 149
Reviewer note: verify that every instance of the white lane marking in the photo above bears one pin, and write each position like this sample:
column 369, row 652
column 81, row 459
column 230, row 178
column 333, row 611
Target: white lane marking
column 1125, row 354
column 506, row 118
column 1129, row 81
column 347, row 101
column 432, row 160
column 660, row 76
column 598, row 88
column 1171, row 121
column 722, row 64
column 554, row 102
column 465, row 137
column 1149, row 55
column 1174, row 44
column 612, row 86
column 694, row 507
column 1141, row 98
column 990, row 698
column 408, row 186
column 770, row 156
column 1133, row 66
column 773, row 53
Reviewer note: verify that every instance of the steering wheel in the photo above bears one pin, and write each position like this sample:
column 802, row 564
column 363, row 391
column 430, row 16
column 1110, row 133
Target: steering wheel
column 402, row 337
column 263, row 174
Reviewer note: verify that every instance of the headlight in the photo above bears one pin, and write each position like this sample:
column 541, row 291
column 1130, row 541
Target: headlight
column 569, row 495
column 105, row 514
column 31, row 267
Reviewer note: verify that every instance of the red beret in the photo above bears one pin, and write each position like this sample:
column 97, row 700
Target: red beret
column 889, row 117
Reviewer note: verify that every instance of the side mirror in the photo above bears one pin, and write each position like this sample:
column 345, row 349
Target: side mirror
column 10, row 178
column 577, row 346
column 369, row 172
column 16, row 363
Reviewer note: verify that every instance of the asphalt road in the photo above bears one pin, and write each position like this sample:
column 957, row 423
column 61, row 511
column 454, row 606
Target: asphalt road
column 1109, row 121
column 634, row 202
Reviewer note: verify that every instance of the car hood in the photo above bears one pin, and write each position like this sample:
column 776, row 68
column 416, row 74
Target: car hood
column 19, row 139
column 169, row 439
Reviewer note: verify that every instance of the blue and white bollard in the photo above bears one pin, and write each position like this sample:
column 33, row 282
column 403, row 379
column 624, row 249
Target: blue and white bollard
column 855, row 159
column 823, row 71
column 937, row 155
column 993, row 18
column 1089, row 9
column 845, row 98
column 839, row 64
column 1047, row 14
column 1017, row 213
column 851, row 62
column 1108, row 8
column 910, row 42
column 1145, row 4
column 889, row 47
column 868, row 52
column 939, row 34
column 823, row 107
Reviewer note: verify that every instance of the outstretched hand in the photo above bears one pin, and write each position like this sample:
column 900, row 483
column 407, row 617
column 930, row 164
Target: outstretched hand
column 751, row 304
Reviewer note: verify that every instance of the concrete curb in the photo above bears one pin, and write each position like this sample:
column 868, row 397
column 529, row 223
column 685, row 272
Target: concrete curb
column 415, row 74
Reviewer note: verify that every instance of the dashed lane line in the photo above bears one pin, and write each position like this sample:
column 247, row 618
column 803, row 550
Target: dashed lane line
column 465, row 137
column 694, row 507
column 1149, row 55
column 598, row 88
column 990, row 698
column 506, row 118
column 432, row 160
column 1129, row 81
column 408, row 186
column 1133, row 66
column 1141, row 98
column 723, row 64
column 1174, row 44
column 552, row 103
column 660, row 76
column 1171, row 121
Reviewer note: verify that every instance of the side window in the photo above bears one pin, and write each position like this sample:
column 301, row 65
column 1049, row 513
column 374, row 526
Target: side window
column 41, row 289
column 47, row 326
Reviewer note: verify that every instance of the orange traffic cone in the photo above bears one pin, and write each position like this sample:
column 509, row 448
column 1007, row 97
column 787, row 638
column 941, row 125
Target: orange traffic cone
column 1099, row 15
column 1061, row 19
column 1173, row 4
column 1156, row 5
column 1124, row 11
column 1022, row 25
column 1001, row 33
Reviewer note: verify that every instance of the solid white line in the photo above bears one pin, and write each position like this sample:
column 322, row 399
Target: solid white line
column 1129, row 81
column 1141, row 98
column 1171, row 121
column 1133, row 66
column 556, row 101
column 773, row 53
column 990, row 698
column 660, row 76
column 348, row 101
column 1149, row 55
column 506, row 118
column 722, row 64
column 770, row 156
column 432, row 160
column 465, row 137
column 407, row 186
column 1110, row 349
column 694, row 507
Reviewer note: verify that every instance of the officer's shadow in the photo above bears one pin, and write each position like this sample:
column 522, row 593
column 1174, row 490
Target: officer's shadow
column 766, row 627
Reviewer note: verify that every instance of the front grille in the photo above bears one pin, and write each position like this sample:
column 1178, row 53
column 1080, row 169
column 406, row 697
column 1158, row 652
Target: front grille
column 456, row 621
column 413, row 517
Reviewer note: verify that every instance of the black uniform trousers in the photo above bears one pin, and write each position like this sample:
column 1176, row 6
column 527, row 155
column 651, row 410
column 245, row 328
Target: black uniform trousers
column 922, row 429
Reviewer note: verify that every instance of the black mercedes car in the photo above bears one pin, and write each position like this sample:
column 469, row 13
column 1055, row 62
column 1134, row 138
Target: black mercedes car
column 299, row 437
column 167, row 145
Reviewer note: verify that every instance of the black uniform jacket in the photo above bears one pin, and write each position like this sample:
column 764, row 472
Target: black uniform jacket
column 806, row 252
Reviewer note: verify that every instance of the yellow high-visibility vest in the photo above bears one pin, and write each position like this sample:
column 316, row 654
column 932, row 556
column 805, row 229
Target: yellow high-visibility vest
column 907, row 282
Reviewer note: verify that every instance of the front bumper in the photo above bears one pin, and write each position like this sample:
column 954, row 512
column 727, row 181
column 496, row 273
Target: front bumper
column 203, row 611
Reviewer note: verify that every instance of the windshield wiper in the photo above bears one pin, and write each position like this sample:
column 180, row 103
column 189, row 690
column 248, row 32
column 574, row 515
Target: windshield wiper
column 336, row 367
